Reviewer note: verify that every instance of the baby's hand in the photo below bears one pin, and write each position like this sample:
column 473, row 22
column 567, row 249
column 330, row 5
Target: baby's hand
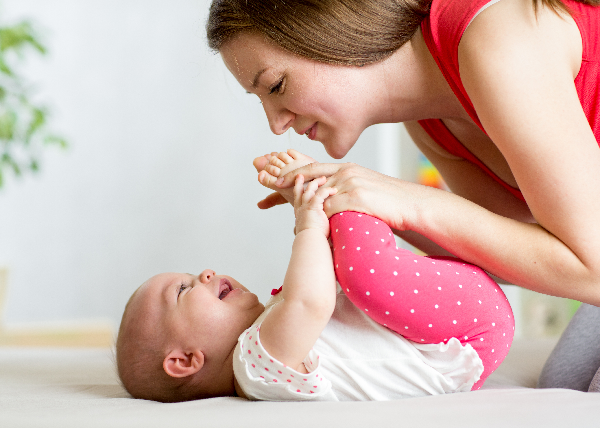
column 308, row 204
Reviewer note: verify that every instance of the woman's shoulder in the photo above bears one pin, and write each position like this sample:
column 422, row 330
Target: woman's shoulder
column 451, row 21
column 448, row 19
column 445, row 26
column 514, row 25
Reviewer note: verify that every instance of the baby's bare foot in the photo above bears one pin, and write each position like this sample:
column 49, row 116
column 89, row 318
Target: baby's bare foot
column 280, row 164
column 262, row 161
column 273, row 165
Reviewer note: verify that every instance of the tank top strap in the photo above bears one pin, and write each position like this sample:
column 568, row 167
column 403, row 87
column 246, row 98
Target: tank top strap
column 442, row 31
column 587, row 19
column 587, row 81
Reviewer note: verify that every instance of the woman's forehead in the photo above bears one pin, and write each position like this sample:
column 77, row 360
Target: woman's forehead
column 248, row 48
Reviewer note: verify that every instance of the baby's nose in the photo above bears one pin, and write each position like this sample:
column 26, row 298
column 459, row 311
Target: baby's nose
column 206, row 275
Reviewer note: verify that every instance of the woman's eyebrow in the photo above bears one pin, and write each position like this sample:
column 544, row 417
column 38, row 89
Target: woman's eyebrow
column 255, row 81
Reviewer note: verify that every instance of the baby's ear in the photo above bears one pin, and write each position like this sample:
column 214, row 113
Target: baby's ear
column 182, row 364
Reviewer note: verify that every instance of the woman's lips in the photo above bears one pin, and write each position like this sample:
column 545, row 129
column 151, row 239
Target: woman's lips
column 312, row 132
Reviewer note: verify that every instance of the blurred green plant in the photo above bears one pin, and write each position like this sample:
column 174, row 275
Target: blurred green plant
column 23, row 130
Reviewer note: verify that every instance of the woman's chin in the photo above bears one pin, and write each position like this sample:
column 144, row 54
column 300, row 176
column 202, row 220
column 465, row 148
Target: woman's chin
column 339, row 144
column 336, row 151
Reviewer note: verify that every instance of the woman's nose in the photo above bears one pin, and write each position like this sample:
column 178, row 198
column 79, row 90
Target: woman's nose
column 280, row 119
column 206, row 275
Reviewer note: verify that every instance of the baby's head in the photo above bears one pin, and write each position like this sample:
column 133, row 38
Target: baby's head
column 178, row 333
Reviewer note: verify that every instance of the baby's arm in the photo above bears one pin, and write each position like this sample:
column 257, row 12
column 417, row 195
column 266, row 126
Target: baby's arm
column 291, row 329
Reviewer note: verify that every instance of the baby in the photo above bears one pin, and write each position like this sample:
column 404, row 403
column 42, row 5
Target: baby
column 400, row 326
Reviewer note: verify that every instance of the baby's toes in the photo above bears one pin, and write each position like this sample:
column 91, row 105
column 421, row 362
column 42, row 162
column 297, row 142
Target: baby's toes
column 275, row 161
column 296, row 155
column 273, row 170
column 260, row 163
column 266, row 179
column 287, row 159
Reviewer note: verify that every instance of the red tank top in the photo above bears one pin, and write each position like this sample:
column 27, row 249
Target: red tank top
column 442, row 31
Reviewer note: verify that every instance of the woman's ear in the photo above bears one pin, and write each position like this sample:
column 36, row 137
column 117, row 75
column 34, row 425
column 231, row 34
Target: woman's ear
column 180, row 364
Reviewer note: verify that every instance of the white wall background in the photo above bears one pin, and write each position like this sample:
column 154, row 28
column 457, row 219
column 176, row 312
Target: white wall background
column 159, row 173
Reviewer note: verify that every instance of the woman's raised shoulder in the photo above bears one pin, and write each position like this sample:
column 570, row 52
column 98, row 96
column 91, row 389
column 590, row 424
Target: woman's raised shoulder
column 515, row 25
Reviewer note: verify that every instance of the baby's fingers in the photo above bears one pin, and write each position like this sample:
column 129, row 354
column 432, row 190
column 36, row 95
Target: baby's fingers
column 309, row 191
column 298, row 190
column 322, row 194
column 311, row 188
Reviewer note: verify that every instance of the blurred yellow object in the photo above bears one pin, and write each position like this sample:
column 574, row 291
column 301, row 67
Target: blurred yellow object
column 86, row 337
column 428, row 175
column 87, row 334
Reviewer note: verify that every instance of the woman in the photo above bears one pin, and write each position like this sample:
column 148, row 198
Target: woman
column 502, row 96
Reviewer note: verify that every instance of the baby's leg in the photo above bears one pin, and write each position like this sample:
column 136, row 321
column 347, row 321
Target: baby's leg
column 271, row 167
column 425, row 299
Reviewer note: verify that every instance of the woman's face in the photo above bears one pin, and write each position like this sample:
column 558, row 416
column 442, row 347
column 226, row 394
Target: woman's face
column 328, row 103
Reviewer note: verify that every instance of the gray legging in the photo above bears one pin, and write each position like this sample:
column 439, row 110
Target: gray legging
column 576, row 358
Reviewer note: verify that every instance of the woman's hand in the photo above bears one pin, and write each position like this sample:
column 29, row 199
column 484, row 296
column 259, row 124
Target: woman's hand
column 271, row 201
column 363, row 190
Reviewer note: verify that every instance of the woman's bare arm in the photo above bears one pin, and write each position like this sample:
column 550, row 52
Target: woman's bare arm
column 523, row 91
column 520, row 79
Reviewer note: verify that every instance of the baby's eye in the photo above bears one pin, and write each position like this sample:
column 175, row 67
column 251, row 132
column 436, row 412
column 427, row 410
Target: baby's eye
column 278, row 87
column 181, row 288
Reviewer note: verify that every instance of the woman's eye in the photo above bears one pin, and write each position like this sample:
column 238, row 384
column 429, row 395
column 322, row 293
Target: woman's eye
column 277, row 88
column 183, row 287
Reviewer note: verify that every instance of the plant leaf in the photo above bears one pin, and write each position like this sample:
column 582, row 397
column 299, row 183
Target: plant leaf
column 8, row 119
column 18, row 36
column 38, row 118
column 55, row 139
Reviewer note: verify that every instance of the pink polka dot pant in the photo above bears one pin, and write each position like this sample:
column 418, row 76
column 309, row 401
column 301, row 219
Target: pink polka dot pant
column 425, row 299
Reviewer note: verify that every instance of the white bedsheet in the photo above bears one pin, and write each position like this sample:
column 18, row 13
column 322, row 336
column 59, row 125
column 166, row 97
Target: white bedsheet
column 79, row 388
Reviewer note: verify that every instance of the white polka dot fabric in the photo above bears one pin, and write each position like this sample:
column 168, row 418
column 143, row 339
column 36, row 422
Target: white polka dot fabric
column 260, row 365
column 426, row 299
column 263, row 377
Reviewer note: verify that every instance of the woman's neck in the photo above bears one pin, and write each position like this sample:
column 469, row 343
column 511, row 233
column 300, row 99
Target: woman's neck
column 413, row 87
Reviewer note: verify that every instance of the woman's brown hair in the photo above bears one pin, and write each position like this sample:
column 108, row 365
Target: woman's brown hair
column 559, row 6
column 350, row 32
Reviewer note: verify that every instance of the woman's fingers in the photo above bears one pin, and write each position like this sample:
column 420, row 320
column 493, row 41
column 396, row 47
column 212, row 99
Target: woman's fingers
column 359, row 189
column 310, row 172
column 340, row 202
column 272, row 200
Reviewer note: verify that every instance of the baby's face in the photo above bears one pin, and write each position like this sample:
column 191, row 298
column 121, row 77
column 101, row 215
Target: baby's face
column 208, row 311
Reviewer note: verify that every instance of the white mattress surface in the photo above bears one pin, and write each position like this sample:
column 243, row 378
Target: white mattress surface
column 79, row 388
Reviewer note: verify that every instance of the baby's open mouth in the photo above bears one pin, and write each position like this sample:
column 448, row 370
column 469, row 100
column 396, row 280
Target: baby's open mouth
column 224, row 288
